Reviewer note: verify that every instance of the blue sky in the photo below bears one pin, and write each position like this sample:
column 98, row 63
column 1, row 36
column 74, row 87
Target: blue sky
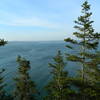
column 42, row 20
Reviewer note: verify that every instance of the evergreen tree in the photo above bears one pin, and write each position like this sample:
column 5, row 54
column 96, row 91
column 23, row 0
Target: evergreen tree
column 25, row 87
column 2, row 85
column 58, row 88
column 2, row 42
column 3, row 93
column 88, row 55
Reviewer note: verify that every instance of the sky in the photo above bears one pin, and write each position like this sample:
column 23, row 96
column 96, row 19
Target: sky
column 42, row 20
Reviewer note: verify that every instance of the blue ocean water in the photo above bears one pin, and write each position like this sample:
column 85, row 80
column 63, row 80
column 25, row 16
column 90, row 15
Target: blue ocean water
column 39, row 54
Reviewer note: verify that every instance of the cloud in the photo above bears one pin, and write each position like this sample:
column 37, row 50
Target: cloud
column 34, row 21
column 12, row 19
column 43, row 20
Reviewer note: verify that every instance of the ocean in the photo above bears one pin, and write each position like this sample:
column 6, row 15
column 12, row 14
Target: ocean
column 39, row 54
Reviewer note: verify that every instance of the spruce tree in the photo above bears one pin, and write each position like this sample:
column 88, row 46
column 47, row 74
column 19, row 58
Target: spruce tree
column 2, row 42
column 2, row 85
column 3, row 94
column 58, row 88
column 87, row 54
column 25, row 87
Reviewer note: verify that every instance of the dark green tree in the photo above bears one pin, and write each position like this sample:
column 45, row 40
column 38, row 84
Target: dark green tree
column 2, row 85
column 3, row 94
column 2, row 42
column 58, row 88
column 25, row 87
column 87, row 54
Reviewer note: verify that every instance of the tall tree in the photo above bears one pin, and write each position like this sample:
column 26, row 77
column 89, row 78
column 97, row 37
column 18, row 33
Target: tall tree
column 87, row 42
column 3, row 94
column 58, row 88
column 2, row 85
column 25, row 87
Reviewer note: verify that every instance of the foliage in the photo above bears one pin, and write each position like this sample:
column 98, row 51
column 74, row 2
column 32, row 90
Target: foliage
column 87, row 55
column 2, row 85
column 2, row 42
column 58, row 88
column 25, row 87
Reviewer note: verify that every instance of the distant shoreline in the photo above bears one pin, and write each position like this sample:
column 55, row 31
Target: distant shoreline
column 39, row 41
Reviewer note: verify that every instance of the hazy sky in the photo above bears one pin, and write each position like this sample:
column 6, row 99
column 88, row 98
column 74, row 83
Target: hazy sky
column 42, row 20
